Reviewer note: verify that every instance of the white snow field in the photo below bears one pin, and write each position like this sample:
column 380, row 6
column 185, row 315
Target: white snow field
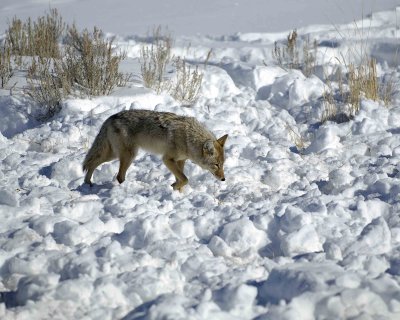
column 189, row 17
column 288, row 236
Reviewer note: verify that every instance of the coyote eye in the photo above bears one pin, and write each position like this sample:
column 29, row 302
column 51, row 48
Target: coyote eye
column 216, row 166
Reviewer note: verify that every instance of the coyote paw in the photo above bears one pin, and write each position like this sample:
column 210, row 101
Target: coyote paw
column 178, row 186
column 89, row 183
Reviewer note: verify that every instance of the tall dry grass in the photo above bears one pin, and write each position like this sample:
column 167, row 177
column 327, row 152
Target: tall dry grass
column 154, row 59
column 6, row 67
column 36, row 38
column 87, row 65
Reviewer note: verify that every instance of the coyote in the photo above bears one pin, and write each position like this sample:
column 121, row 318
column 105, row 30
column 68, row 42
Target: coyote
column 176, row 138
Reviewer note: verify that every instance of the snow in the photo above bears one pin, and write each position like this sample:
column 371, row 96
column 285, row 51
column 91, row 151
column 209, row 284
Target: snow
column 189, row 17
column 291, row 234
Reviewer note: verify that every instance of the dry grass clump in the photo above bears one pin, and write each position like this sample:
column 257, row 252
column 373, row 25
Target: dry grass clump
column 363, row 82
column 89, row 64
column 44, row 87
column 37, row 38
column 6, row 68
column 386, row 90
column 155, row 58
column 330, row 107
column 359, row 82
column 188, row 82
column 309, row 57
column 288, row 55
column 85, row 65
column 299, row 141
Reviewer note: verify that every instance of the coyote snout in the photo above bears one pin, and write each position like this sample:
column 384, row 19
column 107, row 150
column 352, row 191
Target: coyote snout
column 176, row 138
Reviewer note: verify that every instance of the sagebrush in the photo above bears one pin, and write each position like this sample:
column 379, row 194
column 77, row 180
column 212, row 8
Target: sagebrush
column 90, row 64
column 187, row 83
column 154, row 59
column 291, row 56
column 44, row 87
column 36, row 38
column 360, row 81
column 6, row 68
column 87, row 66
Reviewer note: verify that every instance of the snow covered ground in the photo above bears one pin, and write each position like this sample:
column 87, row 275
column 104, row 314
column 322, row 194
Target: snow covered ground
column 190, row 17
column 290, row 235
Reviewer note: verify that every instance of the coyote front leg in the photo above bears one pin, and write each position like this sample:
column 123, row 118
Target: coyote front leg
column 176, row 167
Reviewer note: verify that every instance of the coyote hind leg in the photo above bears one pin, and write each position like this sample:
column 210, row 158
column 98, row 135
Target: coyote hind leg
column 181, row 164
column 104, row 157
column 125, row 159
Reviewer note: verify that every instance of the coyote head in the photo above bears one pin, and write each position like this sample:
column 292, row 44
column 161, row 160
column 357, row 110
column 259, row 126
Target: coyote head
column 213, row 157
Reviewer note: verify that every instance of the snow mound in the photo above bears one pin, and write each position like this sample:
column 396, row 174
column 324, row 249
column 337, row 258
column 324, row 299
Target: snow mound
column 217, row 84
column 238, row 238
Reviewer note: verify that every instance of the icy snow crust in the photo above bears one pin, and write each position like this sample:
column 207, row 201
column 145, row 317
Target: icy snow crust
column 289, row 235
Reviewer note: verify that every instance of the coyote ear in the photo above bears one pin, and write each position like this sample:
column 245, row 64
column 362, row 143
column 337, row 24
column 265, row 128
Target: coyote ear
column 222, row 140
column 208, row 148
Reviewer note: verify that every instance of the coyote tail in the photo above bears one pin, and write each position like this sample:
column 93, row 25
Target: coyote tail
column 99, row 148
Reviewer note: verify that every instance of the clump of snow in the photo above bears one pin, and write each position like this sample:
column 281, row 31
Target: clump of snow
column 238, row 238
column 374, row 239
column 301, row 241
column 326, row 139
